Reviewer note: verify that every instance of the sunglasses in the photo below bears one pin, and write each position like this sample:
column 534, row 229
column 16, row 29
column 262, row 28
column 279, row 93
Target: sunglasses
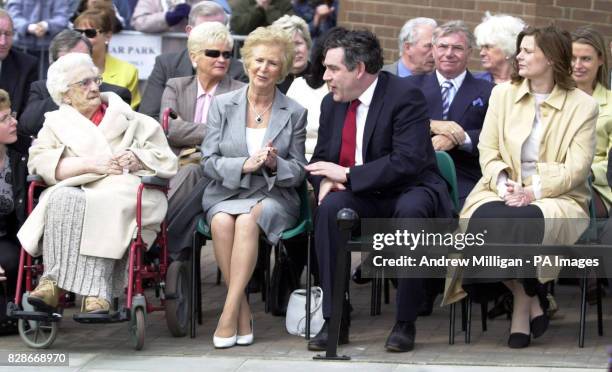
column 214, row 53
column 89, row 32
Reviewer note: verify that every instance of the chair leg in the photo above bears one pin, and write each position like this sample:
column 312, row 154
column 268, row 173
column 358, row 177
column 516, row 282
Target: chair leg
column 599, row 309
column 375, row 295
column 267, row 284
column 308, row 287
column 483, row 315
column 386, row 290
column 199, row 278
column 451, row 325
column 583, row 308
column 463, row 314
column 468, row 325
column 196, row 241
column 218, row 281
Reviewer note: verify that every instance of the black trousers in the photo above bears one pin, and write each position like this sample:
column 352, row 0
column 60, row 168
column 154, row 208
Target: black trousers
column 9, row 260
column 415, row 203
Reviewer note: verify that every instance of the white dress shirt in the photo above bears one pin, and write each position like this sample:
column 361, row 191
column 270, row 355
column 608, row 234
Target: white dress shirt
column 456, row 82
column 362, row 113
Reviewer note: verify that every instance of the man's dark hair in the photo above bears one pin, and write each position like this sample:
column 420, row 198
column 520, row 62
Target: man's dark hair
column 359, row 46
column 64, row 41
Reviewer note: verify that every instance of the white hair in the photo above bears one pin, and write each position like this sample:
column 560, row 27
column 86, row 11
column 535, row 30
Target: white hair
column 499, row 31
column 410, row 31
column 63, row 72
column 206, row 33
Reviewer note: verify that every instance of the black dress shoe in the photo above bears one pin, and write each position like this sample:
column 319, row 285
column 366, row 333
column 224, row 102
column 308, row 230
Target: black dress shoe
column 319, row 342
column 519, row 340
column 357, row 278
column 401, row 338
column 539, row 325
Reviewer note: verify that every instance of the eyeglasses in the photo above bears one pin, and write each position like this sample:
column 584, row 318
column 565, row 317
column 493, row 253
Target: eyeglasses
column 6, row 33
column 6, row 117
column 458, row 49
column 89, row 32
column 85, row 82
column 215, row 53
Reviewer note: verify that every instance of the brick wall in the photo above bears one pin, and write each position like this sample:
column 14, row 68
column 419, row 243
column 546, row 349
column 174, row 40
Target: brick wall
column 386, row 17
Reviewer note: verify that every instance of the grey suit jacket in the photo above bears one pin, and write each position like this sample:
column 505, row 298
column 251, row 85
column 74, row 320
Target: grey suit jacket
column 180, row 95
column 392, row 68
column 224, row 151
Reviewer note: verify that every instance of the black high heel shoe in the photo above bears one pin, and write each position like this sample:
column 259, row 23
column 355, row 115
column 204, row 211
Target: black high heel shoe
column 519, row 340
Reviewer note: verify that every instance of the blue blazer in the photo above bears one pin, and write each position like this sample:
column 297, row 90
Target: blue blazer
column 397, row 151
column 468, row 109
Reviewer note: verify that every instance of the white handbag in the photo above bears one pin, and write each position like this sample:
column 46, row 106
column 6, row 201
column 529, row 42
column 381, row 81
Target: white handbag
column 295, row 321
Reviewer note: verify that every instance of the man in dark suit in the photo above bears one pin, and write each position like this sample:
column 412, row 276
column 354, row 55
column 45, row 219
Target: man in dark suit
column 171, row 65
column 373, row 155
column 17, row 70
column 40, row 102
column 457, row 104
column 456, row 121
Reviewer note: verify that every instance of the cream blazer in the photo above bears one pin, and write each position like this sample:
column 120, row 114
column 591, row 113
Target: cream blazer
column 603, row 144
column 110, row 214
column 566, row 152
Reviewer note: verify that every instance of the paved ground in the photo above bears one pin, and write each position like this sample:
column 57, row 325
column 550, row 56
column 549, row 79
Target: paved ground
column 107, row 348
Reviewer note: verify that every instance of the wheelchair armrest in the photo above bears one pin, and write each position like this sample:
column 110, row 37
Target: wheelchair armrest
column 154, row 181
column 34, row 178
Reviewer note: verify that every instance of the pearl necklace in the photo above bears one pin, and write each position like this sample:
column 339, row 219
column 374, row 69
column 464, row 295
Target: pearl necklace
column 258, row 116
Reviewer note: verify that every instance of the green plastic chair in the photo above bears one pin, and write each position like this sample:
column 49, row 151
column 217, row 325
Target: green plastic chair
column 202, row 233
column 446, row 165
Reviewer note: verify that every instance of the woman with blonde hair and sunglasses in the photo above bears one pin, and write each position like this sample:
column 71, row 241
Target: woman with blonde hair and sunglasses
column 97, row 25
column 210, row 50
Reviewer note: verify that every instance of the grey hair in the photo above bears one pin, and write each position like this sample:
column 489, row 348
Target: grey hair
column 499, row 31
column 410, row 31
column 63, row 72
column 293, row 24
column 206, row 9
column 64, row 41
column 454, row 27
column 208, row 32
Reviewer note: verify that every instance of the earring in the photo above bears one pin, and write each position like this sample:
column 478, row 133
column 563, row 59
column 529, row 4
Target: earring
column 194, row 65
column 106, row 42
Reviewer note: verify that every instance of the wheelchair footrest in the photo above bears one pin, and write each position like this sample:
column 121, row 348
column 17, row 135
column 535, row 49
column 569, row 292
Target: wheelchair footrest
column 12, row 310
column 113, row 317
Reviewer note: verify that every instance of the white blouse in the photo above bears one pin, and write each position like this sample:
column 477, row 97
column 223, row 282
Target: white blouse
column 254, row 139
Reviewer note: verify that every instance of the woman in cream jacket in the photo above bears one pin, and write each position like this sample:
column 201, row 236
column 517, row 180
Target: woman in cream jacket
column 536, row 150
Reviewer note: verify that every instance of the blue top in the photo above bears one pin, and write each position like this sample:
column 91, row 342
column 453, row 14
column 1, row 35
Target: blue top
column 484, row 75
column 402, row 70
column 25, row 12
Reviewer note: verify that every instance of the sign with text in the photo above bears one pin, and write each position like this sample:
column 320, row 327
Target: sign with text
column 137, row 49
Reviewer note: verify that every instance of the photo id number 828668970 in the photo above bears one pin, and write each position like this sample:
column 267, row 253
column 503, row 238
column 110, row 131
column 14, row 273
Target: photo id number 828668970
column 33, row 359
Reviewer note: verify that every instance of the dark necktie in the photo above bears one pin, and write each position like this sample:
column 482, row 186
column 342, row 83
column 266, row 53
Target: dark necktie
column 349, row 136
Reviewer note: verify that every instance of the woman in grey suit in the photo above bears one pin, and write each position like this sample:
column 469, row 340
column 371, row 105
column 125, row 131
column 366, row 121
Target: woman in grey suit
column 210, row 46
column 254, row 155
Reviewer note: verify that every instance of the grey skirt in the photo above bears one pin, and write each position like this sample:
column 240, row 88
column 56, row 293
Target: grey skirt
column 274, row 218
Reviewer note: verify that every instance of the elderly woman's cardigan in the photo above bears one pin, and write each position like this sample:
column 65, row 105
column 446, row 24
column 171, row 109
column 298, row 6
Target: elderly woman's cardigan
column 110, row 215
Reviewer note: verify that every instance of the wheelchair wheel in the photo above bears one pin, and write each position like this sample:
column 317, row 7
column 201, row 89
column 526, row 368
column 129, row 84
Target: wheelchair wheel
column 177, row 306
column 137, row 328
column 37, row 334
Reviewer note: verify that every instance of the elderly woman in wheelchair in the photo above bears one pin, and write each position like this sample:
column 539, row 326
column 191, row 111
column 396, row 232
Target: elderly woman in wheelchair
column 92, row 151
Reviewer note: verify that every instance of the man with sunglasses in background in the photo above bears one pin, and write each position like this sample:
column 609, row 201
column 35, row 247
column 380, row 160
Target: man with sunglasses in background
column 40, row 102
column 17, row 70
column 171, row 65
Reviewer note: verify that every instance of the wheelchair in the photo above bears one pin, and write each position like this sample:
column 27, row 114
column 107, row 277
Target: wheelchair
column 171, row 282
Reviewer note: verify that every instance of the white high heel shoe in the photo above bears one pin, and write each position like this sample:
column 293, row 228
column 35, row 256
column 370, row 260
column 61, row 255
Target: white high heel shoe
column 224, row 342
column 246, row 340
